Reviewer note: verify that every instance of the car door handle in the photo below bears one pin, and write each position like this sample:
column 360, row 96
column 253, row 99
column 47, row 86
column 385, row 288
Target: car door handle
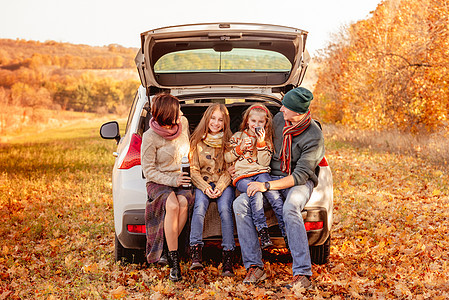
column 115, row 154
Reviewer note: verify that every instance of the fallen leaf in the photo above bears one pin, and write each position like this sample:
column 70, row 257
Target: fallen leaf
column 119, row 292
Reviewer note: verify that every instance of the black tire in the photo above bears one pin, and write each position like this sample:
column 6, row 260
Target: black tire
column 320, row 254
column 125, row 255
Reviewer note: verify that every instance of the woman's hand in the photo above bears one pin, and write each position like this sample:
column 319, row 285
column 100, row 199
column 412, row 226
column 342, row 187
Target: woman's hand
column 217, row 193
column 183, row 178
column 212, row 192
column 209, row 192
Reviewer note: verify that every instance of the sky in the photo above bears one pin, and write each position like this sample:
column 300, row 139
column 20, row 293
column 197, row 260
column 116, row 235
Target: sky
column 105, row 22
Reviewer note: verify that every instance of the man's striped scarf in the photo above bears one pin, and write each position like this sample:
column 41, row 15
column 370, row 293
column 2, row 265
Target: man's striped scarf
column 288, row 133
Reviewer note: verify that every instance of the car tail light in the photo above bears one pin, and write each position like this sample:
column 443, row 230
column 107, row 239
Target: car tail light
column 136, row 228
column 313, row 225
column 323, row 162
column 132, row 158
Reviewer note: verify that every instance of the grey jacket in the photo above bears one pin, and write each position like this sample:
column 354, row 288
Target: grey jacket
column 307, row 151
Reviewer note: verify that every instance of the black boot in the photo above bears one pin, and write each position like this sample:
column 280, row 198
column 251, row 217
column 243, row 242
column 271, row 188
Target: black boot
column 265, row 240
column 227, row 264
column 175, row 268
column 196, row 253
column 163, row 261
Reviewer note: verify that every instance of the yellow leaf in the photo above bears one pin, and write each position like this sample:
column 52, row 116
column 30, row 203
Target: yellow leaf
column 436, row 192
column 119, row 292
column 68, row 260
column 298, row 290
column 381, row 246
column 437, row 173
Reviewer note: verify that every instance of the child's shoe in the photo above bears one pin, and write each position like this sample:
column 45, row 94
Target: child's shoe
column 265, row 241
column 196, row 253
column 286, row 242
column 227, row 264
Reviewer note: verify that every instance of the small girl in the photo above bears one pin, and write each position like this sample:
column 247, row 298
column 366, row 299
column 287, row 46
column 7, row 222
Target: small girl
column 252, row 149
column 208, row 171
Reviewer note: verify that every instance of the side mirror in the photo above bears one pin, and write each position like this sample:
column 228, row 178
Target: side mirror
column 110, row 130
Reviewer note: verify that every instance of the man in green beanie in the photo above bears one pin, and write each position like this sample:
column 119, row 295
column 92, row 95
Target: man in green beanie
column 299, row 148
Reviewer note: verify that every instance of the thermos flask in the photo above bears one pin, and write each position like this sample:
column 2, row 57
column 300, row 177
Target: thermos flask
column 185, row 167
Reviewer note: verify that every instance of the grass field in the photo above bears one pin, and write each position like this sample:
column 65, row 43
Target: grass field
column 390, row 235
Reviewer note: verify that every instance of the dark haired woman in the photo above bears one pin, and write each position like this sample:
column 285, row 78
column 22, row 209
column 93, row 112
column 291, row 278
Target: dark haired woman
column 168, row 205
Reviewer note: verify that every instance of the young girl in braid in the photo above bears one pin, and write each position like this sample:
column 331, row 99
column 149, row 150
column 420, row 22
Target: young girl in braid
column 251, row 150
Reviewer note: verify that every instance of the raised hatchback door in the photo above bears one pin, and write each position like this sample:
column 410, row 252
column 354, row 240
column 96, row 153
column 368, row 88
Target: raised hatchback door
column 222, row 54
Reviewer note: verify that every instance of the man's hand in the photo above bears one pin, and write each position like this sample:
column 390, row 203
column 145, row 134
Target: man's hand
column 254, row 187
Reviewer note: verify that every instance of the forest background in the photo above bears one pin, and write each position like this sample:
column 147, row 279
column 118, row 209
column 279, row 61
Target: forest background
column 386, row 74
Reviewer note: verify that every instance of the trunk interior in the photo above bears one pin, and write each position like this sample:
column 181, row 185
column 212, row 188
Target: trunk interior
column 194, row 109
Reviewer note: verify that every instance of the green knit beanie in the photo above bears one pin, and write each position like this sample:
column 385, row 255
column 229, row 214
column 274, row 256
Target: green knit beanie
column 298, row 100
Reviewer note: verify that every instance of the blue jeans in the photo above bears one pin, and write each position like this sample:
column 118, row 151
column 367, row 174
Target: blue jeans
column 256, row 201
column 296, row 198
column 224, row 203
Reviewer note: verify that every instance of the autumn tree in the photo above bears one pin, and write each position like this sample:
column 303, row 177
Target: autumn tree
column 53, row 75
column 389, row 70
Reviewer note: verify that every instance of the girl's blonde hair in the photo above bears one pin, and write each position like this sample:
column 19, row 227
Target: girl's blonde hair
column 202, row 129
column 261, row 109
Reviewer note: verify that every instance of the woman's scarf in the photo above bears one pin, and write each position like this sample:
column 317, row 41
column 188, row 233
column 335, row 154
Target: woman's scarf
column 288, row 133
column 214, row 141
column 168, row 134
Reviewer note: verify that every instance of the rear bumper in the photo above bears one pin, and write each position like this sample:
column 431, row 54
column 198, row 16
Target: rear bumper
column 317, row 237
column 319, row 214
column 131, row 240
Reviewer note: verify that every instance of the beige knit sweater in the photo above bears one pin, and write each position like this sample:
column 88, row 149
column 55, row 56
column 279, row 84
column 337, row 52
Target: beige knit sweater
column 204, row 169
column 161, row 158
column 251, row 162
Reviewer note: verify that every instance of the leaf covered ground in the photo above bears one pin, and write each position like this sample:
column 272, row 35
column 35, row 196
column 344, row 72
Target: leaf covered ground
column 389, row 239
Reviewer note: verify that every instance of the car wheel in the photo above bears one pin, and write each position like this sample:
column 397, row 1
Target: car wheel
column 320, row 254
column 125, row 255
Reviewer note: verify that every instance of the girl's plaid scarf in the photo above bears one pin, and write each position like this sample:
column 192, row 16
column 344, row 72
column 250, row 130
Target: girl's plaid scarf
column 288, row 133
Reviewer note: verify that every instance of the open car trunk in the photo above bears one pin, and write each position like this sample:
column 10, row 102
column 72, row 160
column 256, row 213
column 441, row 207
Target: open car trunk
column 222, row 54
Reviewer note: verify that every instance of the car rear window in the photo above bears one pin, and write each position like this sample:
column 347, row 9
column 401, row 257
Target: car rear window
column 236, row 60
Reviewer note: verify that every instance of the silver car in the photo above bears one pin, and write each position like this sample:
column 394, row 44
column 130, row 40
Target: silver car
column 237, row 64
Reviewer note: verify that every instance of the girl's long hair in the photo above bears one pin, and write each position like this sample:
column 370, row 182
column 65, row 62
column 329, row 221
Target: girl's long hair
column 261, row 109
column 202, row 130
